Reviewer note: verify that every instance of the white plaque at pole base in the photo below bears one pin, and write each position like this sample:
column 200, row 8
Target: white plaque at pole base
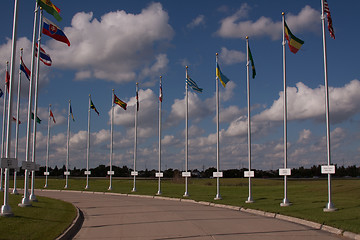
column 46, row 173
column 28, row 165
column 217, row 174
column 87, row 172
column 134, row 173
column 67, row 173
column 186, row 174
column 249, row 174
column 11, row 163
column 110, row 172
column 328, row 169
column 285, row 171
column 159, row 174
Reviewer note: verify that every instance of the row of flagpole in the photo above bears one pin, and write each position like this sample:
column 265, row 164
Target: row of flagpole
column 294, row 45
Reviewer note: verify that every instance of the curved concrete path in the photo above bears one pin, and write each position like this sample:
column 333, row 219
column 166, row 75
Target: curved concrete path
column 128, row 217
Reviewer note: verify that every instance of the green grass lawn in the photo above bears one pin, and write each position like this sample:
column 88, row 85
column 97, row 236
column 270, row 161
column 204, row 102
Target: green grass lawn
column 308, row 197
column 46, row 219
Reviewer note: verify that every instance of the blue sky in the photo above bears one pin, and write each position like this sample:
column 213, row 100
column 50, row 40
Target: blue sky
column 115, row 45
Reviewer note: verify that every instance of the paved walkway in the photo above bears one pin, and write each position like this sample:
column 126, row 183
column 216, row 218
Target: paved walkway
column 128, row 217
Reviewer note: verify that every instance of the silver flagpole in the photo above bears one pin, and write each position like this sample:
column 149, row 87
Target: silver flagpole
column 218, row 196
column 160, row 102
column 32, row 195
column 135, row 137
column 285, row 201
column 3, row 129
column 111, row 138
column 329, row 206
column 47, row 149
column 17, row 125
column 186, row 194
column 88, row 147
column 67, row 147
column 6, row 209
column 25, row 202
column 250, row 199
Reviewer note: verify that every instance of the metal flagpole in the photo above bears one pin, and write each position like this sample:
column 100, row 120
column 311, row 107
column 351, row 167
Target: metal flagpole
column 32, row 195
column 186, row 194
column 218, row 196
column 47, row 150
column 285, row 201
column 88, row 147
column 67, row 147
column 160, row 102
column 6, row 209
column 25, row 202
column 3, row 128
column 329, row 206
column 111, row 139
column 134, row 173
column 250, row 199
column 17, row 125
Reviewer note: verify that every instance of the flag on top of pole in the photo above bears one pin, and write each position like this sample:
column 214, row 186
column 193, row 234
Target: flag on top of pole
column 44, row 57
column 50, row 29
column 252, row 63
column 191, row 83
column 294, row 42
column 119, row 102
column 72, row 115
column 25, row 69
column 328, row 15
column 52, row 115
column 7, row 79
column 50, row 8
column 223, row 79
column 137, row 97
column 92, row 106
column 160, row 93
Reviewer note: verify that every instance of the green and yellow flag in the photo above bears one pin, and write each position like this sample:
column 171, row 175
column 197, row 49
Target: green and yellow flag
column 50, row 8
column 252, row 63
column 223, row 79
column 119, row 102
column 294, row 42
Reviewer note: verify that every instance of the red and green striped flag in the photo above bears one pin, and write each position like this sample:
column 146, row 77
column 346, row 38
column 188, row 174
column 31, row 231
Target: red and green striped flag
column 50, row 8
column 294, row 42
column 119, row 102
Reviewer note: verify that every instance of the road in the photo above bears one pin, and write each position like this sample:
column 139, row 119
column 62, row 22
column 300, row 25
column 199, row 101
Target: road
column 128, row 217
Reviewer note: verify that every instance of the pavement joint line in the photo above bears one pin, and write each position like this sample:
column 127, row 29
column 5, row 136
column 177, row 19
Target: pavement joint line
column 314, row 225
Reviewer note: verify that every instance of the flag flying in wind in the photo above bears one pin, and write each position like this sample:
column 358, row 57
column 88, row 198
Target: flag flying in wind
column 328, row 15
column 294, row 42
column 191, row 83
column 44, row 57
column 38, row 120
column 119, row 102
column 52, row 115
column 54, row 31
column 137, row 100
column 92, row 106
column 252, row 63
column 160, row 93
column 71, row 113
column 50, row 8
column 223, row 79
column 14, row 119
column 7, row 80
column 25, row 69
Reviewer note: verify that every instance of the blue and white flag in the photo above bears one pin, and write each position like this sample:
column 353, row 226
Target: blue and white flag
column 25, row 69
column 44, row 57
column 191, row 83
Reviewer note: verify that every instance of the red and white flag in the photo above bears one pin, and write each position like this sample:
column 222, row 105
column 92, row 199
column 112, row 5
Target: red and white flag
column 328, row 15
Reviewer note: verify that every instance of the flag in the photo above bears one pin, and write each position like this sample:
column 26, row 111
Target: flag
column 1, row 93
column 161, row 93
column 137, row 100
column 92, row 106
column 7, row 80
column 328, row 15
column 294, row 42
column 54, row 31
column 14, row 119
column 72, row 115
column 52, row 115
column 119, row 102
column 50, row 8
column 44, row 57
column 252, row 63
column 25, row 69
column 223, row 79
column 38, row 120
column 191, row 83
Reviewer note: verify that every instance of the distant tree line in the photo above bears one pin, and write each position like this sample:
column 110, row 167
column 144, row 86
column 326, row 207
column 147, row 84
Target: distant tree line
column 101, row 171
